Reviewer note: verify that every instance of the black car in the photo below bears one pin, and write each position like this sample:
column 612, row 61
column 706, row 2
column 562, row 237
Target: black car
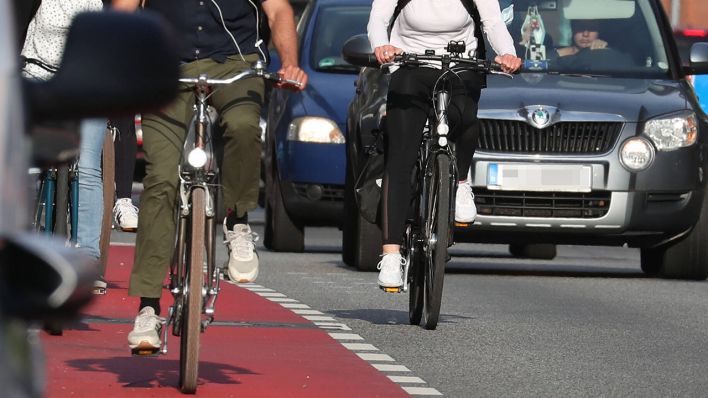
column 605, row 148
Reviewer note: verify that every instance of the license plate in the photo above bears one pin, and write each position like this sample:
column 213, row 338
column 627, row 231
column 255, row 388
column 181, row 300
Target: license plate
column 539, row 177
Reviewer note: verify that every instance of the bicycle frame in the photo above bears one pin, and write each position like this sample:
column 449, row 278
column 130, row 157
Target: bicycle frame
column 191, row 177
column 434, row 143
column 46, row 212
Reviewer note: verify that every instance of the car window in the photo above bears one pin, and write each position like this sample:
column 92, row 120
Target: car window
column 563, row 36
column 336, row 24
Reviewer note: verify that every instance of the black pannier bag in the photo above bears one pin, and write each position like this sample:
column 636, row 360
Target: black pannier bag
column 367, row 186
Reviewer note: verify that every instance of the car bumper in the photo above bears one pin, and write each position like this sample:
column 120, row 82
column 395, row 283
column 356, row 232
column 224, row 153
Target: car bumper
column 637, row 209
column 313, row 204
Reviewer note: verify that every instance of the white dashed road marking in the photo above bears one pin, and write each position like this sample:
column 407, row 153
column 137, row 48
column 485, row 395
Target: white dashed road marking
column 351, row 341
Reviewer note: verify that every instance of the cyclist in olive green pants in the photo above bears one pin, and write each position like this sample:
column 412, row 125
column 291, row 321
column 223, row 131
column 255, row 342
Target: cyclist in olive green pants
column 218, row 38
column 163, row 139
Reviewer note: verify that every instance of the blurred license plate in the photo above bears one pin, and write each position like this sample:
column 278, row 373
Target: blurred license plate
column 539, row 177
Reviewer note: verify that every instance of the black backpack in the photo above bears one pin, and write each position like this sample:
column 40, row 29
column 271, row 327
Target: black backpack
column 471, row 9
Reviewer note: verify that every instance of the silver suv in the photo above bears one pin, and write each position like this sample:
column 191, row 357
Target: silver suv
column 599, row 141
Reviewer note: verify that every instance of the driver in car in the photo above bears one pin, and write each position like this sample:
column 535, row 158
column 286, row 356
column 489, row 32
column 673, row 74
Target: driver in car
column 586, row 36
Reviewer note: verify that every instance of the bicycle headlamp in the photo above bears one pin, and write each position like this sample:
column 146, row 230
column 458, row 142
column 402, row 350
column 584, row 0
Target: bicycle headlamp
column 197, row 158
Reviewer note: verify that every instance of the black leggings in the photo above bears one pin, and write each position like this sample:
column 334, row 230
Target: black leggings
column 408, row 105
column 125, row 146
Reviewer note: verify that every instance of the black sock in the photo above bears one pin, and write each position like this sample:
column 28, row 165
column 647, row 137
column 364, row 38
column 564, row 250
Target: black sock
column 150, row 302
column 232, row 219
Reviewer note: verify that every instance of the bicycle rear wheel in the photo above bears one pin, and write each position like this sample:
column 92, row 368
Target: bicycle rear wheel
column 437, row 237
column 416, row 277
column 192, row 308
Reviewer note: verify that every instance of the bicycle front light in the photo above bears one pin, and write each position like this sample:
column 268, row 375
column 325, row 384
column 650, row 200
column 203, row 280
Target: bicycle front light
column 315, row 129
column 197, row 158
column 674, row 131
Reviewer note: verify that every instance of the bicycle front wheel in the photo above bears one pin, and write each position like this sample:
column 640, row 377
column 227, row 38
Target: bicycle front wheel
column 437, row 237
column 192, row 307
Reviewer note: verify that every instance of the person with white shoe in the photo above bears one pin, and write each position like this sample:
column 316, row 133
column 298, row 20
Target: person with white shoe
column 218, row 38
column 417, row 26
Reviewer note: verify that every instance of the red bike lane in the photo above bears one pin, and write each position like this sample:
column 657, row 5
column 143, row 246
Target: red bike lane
column 257, row 348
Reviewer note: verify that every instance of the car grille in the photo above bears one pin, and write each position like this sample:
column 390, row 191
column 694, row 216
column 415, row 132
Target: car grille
column 542, row 204
column 330, row 193
column 561, row 138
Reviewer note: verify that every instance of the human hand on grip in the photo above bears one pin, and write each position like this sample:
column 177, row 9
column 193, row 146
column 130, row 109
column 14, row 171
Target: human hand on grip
column 386, row 53
column 292, row 73
column 509, row 63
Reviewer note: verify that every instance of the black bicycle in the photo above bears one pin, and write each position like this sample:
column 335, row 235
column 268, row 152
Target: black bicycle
column 194, row 274
column 429, row 232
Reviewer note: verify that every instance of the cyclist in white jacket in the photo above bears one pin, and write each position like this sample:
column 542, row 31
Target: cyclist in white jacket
column 429, row 25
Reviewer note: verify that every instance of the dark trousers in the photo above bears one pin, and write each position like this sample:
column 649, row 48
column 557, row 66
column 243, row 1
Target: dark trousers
column 239, row 106
column 125, row 146
column 408, row 106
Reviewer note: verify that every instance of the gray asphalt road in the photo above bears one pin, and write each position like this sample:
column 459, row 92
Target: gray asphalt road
column 585, row 324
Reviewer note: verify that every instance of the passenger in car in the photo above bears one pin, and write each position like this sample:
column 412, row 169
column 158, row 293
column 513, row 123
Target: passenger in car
column 586, row 36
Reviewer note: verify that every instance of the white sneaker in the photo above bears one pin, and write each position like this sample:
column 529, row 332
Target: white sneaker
column 465, row 209
column 125, row 215
column 391, row 266
column 243, row 259
column 145, row 337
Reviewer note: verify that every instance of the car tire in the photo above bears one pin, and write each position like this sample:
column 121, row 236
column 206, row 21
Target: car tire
column 686, row 258
column 282, row 234
column 538, row 251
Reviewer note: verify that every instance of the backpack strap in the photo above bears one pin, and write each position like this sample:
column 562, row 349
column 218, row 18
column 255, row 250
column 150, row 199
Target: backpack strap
column 471, row 8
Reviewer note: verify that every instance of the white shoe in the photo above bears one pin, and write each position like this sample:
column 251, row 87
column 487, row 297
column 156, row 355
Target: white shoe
column 391, row 266
column 146, row 331
column 243, row 259
column 465, row 209
column 125, row 215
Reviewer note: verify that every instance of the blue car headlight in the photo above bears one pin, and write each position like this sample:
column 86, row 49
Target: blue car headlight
column 315, row 129
column 674, row 131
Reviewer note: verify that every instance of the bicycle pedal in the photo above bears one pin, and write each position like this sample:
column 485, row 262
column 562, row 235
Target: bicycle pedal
column 462, row 224
column 141, row 351
column 391, row 289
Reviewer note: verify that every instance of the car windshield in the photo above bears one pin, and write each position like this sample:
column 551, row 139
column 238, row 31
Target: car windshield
column 336, row 24
column 589, row 37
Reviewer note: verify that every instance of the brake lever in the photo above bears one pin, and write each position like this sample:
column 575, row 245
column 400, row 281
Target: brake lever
column 509, row 75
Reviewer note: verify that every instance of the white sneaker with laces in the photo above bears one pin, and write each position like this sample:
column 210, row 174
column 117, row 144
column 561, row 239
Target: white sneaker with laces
column 145, row 335
column 243, row 258
column 391, row 266
column 125, row 215
column 465, row 209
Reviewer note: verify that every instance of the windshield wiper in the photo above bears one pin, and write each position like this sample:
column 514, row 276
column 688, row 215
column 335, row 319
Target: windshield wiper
column 344, row 68
column 589, row 75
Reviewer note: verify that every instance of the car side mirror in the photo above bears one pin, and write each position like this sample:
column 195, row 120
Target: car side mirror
column 698, row 64
column 114, row 64
column 357, row 51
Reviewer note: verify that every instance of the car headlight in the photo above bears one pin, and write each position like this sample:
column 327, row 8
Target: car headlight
column 315, row 129
column 636, row 154
column 673, row 131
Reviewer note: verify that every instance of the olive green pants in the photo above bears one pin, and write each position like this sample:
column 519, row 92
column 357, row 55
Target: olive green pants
column 164, row 132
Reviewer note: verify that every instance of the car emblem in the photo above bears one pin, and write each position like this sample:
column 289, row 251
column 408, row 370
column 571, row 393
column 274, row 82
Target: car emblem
column 540, row 118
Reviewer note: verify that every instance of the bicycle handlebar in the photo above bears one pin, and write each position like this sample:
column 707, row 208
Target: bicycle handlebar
column 256, row 71
column 479, row 65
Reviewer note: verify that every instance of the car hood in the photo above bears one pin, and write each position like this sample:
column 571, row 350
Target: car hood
column 631, row 99
column 328, row 95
